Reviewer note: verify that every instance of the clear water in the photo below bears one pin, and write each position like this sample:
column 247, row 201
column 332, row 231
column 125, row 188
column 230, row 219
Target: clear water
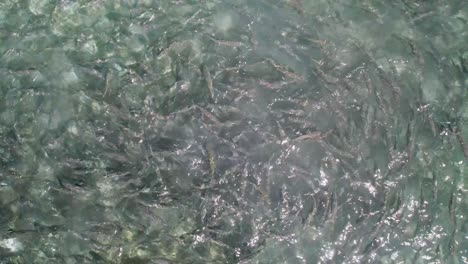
column 240, row 131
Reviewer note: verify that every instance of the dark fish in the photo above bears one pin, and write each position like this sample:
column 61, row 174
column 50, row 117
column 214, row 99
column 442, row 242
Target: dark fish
column 297, row 6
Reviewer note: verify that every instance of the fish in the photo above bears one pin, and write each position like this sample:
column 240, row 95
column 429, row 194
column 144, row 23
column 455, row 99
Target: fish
column 297, row 6
column 212, row 162
column 314, row 136
column 228, row 43
column 263, row 194
column 209, row 81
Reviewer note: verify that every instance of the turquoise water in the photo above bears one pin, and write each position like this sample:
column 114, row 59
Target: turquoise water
column 242, row 131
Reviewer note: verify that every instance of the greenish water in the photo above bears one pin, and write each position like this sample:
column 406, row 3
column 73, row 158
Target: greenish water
column 241, row 131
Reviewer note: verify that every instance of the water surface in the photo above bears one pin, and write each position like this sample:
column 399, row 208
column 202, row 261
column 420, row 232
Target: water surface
column 266, row 131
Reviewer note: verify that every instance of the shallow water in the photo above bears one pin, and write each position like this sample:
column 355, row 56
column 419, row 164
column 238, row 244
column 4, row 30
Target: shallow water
column 266, row 131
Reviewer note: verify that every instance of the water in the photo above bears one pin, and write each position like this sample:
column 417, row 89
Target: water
column 237, row 131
